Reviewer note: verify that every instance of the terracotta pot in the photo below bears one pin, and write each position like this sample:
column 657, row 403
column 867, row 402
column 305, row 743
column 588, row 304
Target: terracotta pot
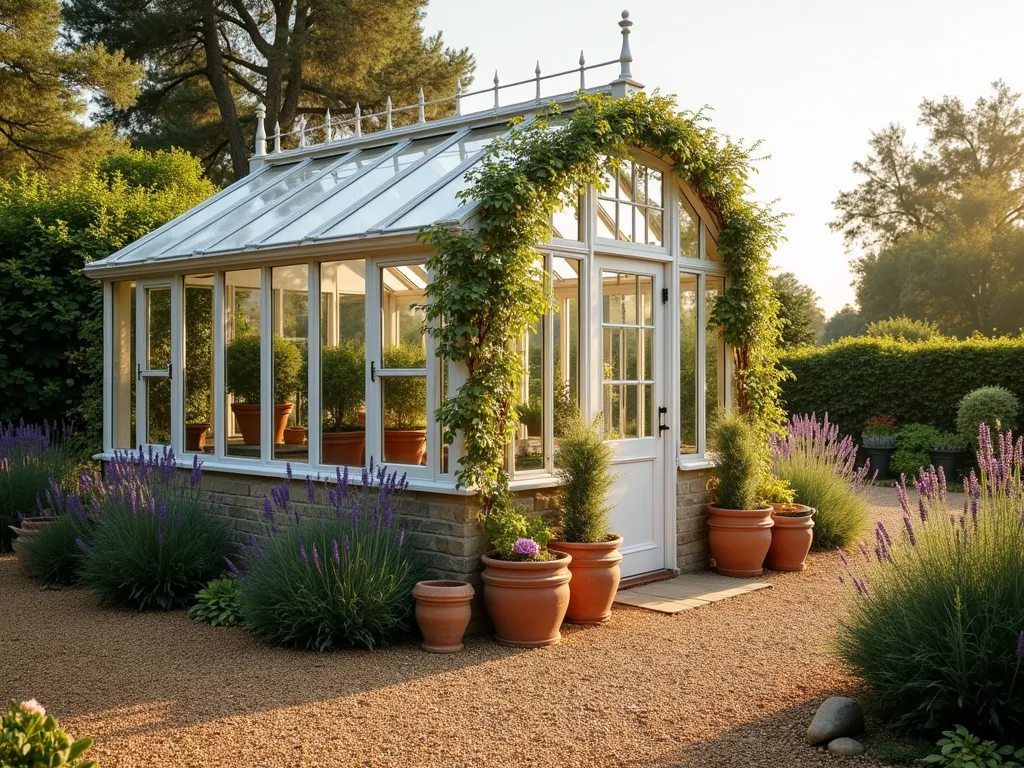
column 595, row 579
column 526, row 600
column 443, row 613
column 344, row 448
column 739, row 539
column 405, row 446
column 34, row 524
column 533, row 430
column 295, row 435
column 195, row 436
column 792, row 535
column 248, row 416
column 22, row 538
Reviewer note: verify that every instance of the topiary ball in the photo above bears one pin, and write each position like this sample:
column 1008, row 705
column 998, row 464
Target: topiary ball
column 996, row 406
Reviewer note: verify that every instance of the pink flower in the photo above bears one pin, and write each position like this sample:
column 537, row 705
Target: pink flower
column 526, row 548
column 33, row 706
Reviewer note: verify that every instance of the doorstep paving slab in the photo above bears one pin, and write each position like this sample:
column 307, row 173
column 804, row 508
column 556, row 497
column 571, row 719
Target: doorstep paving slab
column 687, row 591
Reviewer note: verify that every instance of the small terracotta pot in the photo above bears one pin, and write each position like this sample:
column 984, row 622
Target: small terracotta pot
column 248, row 417
column 195, row 437
column 526, row 600
column 295, row 435
column 739, row 539
column 22, row 538
column 595, row 579
column 792, row 535
column 405, row 446
column 34, row 524
column 443, row 613
column 344, row 448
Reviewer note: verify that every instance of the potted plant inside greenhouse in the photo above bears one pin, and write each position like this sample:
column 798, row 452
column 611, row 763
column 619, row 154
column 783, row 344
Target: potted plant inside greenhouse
column 792, row 526
column 343, row 371
column 584, row 462
column 531, row 415
column 879, row 441
column 740, row 522
column 405, row 411
column 198, row 368
column 243, row 380
column 947, row 452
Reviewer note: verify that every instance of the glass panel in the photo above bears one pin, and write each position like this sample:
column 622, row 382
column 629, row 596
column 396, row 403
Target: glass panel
column 606, row 219
column 618, row 298
column 627, row 354
column 714, row 390
column 710, row 247
column 352, row 192
column 688, row 223
column 439, row 166
column 158, row 308
column 631, row 208
column 242, row 362
column 688, row 364
column 645, row 290
column 528, row 445
column 291, row 362
column 404, row 406
column 565, row 222
column 566, row 288
column 122, row 344
column 199, row 418
column 158, row 410
column 655, row 235
column 442, row 202
column 325, row 184
column 343, row 362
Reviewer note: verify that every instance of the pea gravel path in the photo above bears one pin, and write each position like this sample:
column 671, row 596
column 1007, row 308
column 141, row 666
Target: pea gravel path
column 730, row 684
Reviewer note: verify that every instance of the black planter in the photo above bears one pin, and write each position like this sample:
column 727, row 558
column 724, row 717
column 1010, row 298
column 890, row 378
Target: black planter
column 949, row 461
column 879, row 458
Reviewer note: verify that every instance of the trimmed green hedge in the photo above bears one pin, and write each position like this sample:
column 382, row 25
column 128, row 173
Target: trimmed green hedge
column 916, row 382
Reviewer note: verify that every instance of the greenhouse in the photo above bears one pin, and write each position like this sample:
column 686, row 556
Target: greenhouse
column 280, row 323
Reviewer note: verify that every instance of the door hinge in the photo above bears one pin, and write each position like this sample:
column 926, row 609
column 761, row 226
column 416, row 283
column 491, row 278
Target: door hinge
column 664, row 295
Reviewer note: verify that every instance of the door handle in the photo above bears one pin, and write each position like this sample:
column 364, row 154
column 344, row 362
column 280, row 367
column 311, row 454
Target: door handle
column 662, row 426
column 373, row 370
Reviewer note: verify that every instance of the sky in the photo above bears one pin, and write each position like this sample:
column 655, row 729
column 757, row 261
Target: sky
column 811, row 79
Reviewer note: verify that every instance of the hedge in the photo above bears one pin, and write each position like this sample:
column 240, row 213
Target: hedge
column 916, row 382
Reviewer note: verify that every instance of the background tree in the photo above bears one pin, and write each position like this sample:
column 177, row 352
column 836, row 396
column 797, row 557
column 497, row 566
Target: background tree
column 209, row 62
column 44, row 90
column 846, row 322
column 803, row 320
column 903, row 328
column 944, row 226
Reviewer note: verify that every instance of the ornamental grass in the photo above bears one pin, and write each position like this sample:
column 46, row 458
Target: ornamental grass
column 936, row 625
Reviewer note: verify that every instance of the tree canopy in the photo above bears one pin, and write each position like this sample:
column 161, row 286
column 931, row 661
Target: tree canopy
column 209, row 62
column 846, row 322
column 45, row 88
column 943, row 225
column 803, row 320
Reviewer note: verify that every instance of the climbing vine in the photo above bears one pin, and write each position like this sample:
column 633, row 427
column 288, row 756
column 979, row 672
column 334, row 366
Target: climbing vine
column 489, row 286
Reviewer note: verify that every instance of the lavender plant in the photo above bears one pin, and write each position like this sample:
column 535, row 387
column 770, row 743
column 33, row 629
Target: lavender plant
column 341, row 574
column 55, row 555
column 155, row 543
column 820, row 466
column 937, row 623
column 30, row 456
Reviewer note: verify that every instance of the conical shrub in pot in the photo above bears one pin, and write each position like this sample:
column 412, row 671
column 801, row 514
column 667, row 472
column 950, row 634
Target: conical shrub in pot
column 583, row 465
column 740, row 523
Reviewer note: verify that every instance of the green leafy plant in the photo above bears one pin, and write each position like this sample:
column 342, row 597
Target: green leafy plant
column 343, row 391
column 218, row 604
column 995, row 407
column 959, row 748
column 775, row 490
column 904, row 329
column 405, row 397
column 584, row 462
column 506, row 527
column 741, row 457
column 948, row 442
column 531, row 414
column 198, row 354
column 243, row 368
column 488, row 289
column 30, row 738
column 913, row 449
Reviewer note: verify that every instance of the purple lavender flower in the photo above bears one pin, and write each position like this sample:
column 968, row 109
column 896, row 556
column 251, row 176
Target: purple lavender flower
column 316, row 557
column 268, row 510
column 81, row 545
column 334, row 551
column 310, row 489
column 233, row 568
column 1020, row 647
column 302, row 552
column 526, row 548
column 909, row 525
column 400, row 536
column 345, row 541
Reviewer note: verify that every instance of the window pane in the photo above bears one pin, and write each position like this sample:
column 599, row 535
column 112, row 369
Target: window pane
column 199, row 419
column 710, row 246
column 123, row 361
column 158, row 407
column 715, row 354
column 242, row 362
column 631, row 207
column 688, row 364
column 565, row 284
column 158, row 323
column 343, row 362
column 404, row 406
column 528, row 446
column 291, row 362
column 688, row 223
column 565, row 222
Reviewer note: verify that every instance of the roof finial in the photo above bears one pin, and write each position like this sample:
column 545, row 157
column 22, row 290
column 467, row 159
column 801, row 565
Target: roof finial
column 277, row 135
column 458, row 96
column 387, row 110
column 495, row 89
column 328, row 137
column 302, row 130
column 422, row 103
column 359, row 120
column 536, row 72
column 583, row 72
column 261, row 129
column 625, row 56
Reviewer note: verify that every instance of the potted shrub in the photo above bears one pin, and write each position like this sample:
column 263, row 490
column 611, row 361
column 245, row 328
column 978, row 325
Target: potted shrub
column 740, row 523
column 879, row 441
column 531, row 415
column 996, row 407
column 946, row 453
column 243, row 380
column 792, row 526
column 526, row 587
column 443, row 613
column 343, row 390
column 405, row 414
column 584, row 471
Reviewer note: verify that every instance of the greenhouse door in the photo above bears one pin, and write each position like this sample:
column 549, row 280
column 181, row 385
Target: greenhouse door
column 633, row 392
column 153, row 364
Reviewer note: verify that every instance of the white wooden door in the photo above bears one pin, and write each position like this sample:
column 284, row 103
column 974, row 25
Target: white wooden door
column 632, row 360
column 154, row 369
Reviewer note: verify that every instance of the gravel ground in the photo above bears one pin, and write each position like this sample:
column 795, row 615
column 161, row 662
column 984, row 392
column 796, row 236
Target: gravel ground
column 730, row 684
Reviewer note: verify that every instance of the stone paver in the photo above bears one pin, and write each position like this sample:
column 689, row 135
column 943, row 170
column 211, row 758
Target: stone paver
column 687, row 591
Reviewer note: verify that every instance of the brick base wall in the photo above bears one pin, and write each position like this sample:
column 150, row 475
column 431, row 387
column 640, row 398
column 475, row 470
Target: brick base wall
column 692, row 497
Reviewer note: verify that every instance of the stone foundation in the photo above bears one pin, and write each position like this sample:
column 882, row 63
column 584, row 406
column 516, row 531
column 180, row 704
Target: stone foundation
column 692, row 498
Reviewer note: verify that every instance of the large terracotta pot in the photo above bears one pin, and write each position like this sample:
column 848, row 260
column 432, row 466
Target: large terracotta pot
column 344, row 448
column 739, row 539
column 195, row 437
column 595, row 579
column 526, row 600
column 248, row 416
column 405, row 446
column 792, row 534
column 443, row 613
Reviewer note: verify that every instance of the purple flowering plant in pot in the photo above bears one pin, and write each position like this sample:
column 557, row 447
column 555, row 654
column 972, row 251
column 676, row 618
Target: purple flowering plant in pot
column 334, row 568
column 935, row 623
